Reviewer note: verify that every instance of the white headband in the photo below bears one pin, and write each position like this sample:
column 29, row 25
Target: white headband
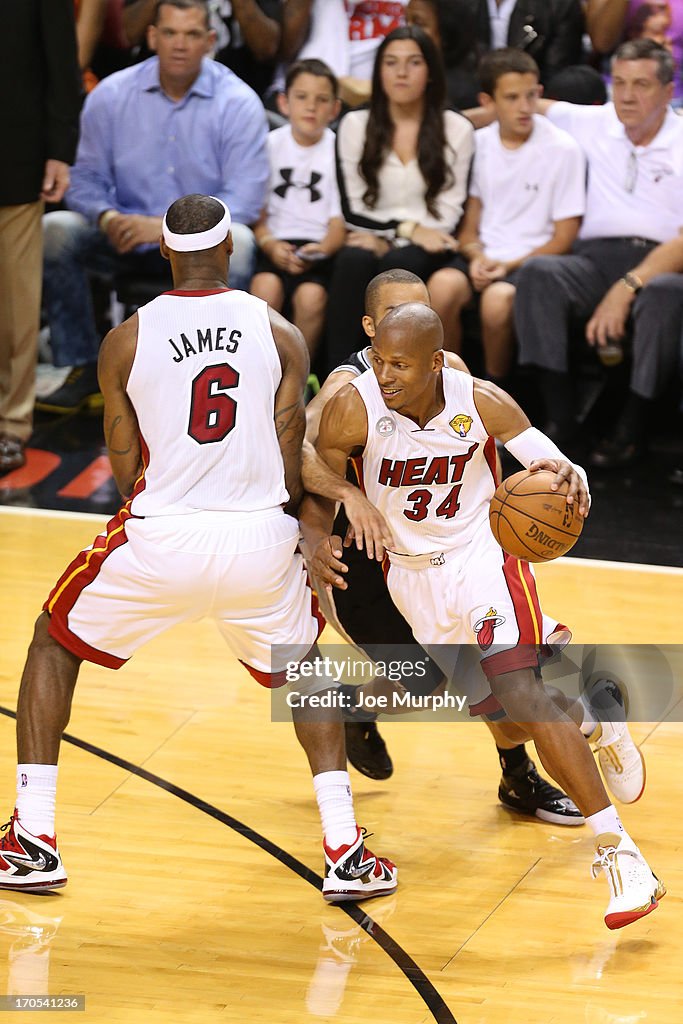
column 199, row 239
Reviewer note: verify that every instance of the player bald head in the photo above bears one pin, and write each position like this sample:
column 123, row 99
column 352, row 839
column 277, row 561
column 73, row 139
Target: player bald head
column 412, row 325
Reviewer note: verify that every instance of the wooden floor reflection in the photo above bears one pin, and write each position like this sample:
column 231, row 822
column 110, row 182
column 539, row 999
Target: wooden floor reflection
column 172, row 915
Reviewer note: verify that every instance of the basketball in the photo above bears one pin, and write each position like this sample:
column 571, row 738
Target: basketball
column 531, row 521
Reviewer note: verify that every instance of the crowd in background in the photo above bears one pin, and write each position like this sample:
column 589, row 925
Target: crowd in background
column 497, row 148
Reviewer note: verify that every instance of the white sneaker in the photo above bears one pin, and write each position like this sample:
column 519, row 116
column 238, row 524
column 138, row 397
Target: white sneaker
column 29, row 863
column 354, row 873
column 635, row 890
column 621, row 762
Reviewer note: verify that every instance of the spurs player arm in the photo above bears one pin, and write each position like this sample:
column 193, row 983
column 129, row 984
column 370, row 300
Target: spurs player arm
column 121, row 429
column 290, row 413
column 504, row 419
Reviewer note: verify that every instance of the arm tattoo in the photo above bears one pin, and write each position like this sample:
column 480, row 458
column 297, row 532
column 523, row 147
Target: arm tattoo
column 284, row 418
column 110, row 439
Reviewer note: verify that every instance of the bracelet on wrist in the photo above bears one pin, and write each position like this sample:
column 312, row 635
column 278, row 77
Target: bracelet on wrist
column 632, row 282
column 406, row 229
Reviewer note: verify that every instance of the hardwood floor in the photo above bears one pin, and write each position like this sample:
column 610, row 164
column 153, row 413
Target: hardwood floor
column 176, row 911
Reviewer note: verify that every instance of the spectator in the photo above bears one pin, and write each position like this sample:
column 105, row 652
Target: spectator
column 343, row 33
column 577, row 84
column 634, row 149
column 527, row 196
column 609, row 22
column 402, row 168
column 301, row 226
column 175, row 124
column 453, row 27
column 40, row 87
column 248, row 36
column 90, row 16
column 549, row 30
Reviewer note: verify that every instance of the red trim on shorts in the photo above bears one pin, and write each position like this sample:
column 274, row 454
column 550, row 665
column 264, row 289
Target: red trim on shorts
column 271, row 680
column 509, row 661
column 60, row 632
column 274, row 680
column 203, row 291
column 488, row 706
column 81, row 572
column 522, row 588
column 490, row 456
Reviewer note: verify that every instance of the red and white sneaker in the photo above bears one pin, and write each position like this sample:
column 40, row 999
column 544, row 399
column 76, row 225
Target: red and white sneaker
column 354, row 873
column 29, row 863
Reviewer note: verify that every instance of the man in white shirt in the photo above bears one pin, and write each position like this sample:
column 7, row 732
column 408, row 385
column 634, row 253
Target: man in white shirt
column 634, row 203
column 526, row 198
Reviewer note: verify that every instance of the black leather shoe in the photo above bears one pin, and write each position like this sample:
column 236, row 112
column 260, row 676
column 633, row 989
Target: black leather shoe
column 366, row 750
column 12, row 455
column 616, row 454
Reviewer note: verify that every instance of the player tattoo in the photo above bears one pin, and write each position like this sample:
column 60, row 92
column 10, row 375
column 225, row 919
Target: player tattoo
column 285, row 418
column 110, row 439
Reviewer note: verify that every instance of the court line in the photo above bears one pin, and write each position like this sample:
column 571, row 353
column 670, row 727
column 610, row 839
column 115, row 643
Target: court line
column 592, row 563
column 405, row 963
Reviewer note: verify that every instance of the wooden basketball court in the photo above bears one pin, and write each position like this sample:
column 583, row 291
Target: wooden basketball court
column 189, row 830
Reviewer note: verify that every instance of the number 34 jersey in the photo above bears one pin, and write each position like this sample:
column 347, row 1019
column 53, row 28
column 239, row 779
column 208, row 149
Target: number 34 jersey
column 203, row 384
column 432, row 484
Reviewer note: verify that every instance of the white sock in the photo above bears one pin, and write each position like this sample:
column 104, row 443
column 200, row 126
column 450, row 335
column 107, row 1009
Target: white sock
column 335, row 803
column 36, row 797
column 607, row 820
column 590, row 722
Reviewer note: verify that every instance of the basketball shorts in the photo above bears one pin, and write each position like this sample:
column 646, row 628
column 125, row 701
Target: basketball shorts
column 143, row 575
column 474, row 599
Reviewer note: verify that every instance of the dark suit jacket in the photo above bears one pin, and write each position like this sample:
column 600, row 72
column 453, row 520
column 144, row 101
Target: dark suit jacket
column 549, row 30
column 40, row 93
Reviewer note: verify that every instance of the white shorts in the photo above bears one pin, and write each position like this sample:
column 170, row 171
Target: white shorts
column 477, row 596
column 143, row 575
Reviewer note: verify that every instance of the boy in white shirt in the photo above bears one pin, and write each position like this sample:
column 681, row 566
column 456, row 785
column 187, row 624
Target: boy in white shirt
column 526, row 197
column 301, row 226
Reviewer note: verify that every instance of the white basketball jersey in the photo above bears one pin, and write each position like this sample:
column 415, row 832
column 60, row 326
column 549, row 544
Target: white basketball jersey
column 203, row 386
column 432, row 484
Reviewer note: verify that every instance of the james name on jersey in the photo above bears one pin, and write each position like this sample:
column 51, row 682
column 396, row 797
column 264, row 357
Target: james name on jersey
column 207, row 341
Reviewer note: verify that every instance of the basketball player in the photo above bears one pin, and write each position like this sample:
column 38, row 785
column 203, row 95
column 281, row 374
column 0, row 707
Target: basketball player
column 189, row 382
column 364, row 608
column 414, row 420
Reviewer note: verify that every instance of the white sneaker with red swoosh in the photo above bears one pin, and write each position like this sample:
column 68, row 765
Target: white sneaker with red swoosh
column 29, row 863
column 354, row 873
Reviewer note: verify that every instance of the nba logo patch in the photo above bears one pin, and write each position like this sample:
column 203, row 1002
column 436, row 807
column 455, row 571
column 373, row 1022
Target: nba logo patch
column 24, row 780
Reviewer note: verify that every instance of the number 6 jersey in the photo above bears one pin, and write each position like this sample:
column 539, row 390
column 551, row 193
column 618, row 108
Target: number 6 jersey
column 203, row 384
column 433, row 484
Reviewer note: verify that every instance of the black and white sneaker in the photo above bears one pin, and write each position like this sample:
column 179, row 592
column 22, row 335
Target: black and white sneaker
column 354, row 873
column 29, row 863
column 525, row 791
column 367, row 751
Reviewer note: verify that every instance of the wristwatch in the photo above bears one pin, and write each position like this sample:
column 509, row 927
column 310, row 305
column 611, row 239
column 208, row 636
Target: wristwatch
column 632, row 282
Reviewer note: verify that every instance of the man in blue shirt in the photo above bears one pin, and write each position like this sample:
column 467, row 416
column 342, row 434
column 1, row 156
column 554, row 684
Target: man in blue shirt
column 176, row 124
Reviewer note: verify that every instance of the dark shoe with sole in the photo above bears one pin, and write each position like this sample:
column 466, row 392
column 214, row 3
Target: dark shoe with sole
column 79, row 391
column 12, row 454
column 366, row 750
column 525, row 791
